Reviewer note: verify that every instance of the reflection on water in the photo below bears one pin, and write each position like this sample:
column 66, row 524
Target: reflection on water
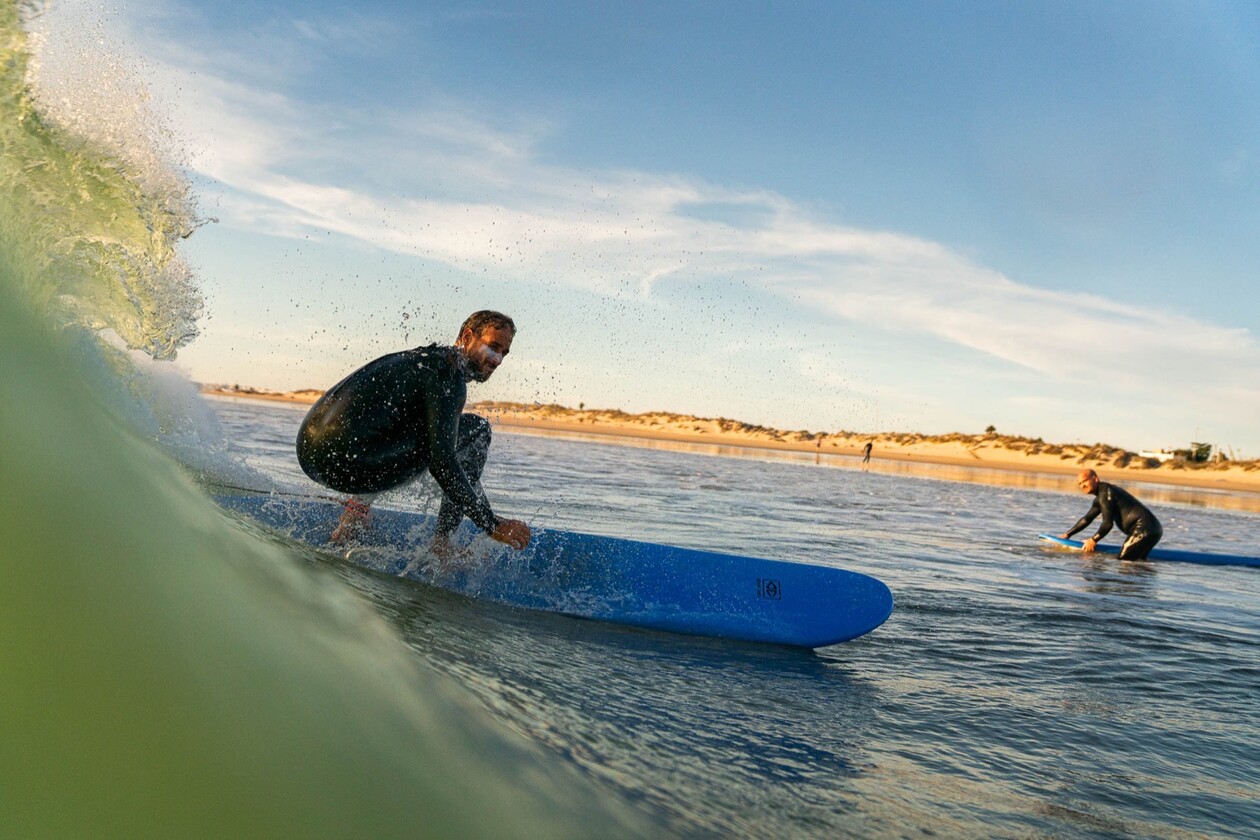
column 1023, row 479
column 1103, row 575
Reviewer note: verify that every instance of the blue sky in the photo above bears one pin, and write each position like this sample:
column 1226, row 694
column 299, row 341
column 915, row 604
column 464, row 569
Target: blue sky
column 911, row 216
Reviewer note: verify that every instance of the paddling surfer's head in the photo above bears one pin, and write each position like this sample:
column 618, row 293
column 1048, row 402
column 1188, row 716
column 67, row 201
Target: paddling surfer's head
column 485, row 338
column 1087, row 480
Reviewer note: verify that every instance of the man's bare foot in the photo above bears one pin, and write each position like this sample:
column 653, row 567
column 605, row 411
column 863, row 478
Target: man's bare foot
column 444, row 550
column 353, row 522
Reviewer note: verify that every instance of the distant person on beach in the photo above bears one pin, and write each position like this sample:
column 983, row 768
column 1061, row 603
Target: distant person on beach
column 866, row 452
column 397, row 417
column 1117, row 507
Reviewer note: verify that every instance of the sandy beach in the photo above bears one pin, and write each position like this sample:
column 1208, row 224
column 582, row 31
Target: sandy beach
column 988, row 452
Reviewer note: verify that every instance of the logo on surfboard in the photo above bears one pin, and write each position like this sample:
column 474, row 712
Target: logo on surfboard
column 769, row 589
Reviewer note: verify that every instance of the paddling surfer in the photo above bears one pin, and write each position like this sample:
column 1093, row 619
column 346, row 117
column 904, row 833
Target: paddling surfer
column 1117, row 507
column 397, row 417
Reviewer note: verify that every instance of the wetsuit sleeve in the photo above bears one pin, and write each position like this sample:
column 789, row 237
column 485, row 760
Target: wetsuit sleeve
column 1107, row 505
column 442, row 428
column 1090, row 516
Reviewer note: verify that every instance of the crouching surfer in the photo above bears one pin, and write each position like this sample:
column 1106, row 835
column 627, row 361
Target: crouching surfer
column 401, row 415
column 1117, row 507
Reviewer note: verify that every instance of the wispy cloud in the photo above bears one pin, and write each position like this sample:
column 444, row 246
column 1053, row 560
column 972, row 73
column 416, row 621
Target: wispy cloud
column 497, row 207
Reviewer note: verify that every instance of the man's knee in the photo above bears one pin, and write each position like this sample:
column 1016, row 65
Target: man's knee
column 1139, row 546
column 475, row 429
column 474, row 443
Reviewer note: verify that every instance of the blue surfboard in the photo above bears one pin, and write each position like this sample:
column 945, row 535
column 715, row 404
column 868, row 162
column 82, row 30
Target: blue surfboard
column 604, row 578
column 1165, row 553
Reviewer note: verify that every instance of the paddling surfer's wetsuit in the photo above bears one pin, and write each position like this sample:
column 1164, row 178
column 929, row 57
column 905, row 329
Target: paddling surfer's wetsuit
column 1118, row 507
column 392, row 419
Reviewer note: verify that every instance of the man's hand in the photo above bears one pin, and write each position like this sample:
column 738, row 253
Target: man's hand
column 1088, row 545
column 513, row 532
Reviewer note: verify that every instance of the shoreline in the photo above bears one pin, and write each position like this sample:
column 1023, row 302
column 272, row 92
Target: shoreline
column 976, row 453
column 1188, row 479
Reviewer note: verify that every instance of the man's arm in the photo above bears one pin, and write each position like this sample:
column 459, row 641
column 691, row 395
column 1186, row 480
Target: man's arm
column 442, row 413
column 1107, row 505
column 1084, row 521
column 442, row 429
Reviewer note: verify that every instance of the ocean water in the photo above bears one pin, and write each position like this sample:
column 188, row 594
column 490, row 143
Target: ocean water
column 1015, row 691
column 167, row 671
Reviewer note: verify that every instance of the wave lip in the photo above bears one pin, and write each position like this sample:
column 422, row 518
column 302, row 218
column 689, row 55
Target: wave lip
column 89, row 233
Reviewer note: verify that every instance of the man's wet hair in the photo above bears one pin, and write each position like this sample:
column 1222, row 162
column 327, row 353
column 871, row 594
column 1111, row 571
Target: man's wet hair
column 483, row 318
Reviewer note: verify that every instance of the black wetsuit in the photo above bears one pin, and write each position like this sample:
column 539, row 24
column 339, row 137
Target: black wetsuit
column 394, row 418
column 1118, row 507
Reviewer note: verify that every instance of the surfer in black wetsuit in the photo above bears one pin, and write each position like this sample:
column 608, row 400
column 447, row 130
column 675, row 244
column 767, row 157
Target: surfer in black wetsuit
column 401, row 415
column 1117, row 507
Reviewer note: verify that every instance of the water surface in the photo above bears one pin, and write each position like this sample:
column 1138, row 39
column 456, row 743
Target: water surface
column 1015, row 690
